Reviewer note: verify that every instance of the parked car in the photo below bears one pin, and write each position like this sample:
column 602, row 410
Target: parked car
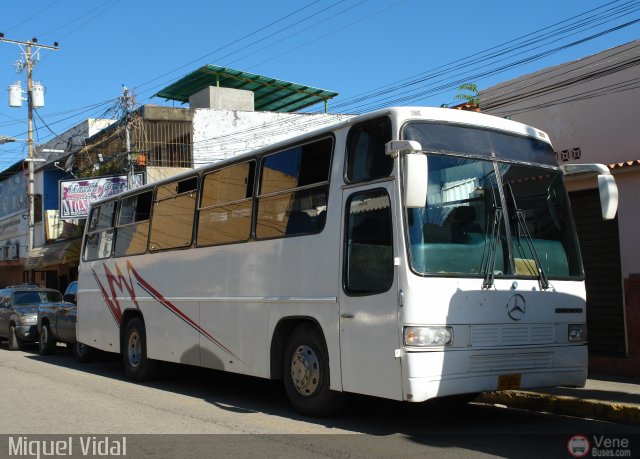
column 19, row 312
column 57, row 323
column 71, row 293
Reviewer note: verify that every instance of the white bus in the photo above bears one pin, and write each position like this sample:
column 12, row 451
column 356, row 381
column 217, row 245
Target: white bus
column 409, row 253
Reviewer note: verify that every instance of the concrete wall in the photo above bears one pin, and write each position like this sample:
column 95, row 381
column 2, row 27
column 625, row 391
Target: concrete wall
column 221, row 134
column 222, row 99
column 597, row 111
column 72, row 139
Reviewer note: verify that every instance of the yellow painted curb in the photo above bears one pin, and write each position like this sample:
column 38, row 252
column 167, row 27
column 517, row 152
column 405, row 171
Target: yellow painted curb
column 561, row 404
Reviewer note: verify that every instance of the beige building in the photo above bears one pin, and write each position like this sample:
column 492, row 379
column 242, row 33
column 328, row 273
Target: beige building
column 590, row 110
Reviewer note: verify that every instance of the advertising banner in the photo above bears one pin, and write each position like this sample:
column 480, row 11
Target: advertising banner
column 77, row 195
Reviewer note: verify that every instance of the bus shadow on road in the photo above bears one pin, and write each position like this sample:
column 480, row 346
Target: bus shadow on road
column 458, row 426
column 245, row 394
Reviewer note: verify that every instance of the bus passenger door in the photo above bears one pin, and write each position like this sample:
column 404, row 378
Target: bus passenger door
column 369, row 332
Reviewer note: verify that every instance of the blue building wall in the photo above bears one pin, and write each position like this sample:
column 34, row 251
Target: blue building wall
column 51, row 189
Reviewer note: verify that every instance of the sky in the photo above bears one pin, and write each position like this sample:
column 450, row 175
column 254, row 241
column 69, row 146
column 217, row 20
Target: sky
column 374, row 53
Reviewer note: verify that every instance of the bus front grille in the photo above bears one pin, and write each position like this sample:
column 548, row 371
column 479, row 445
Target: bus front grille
column 511, row 334
column 510, row 362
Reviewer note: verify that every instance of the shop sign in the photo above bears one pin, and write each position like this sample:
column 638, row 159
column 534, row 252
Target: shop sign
column 77, row 195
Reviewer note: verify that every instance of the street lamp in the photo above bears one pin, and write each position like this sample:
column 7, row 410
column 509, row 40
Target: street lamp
column 6, row 139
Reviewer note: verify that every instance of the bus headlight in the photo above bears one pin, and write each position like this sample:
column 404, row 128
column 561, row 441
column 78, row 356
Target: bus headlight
column 577, row 332
column 428, row 336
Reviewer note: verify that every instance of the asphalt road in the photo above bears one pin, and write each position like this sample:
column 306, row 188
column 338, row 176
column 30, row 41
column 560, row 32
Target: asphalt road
column 204, row 411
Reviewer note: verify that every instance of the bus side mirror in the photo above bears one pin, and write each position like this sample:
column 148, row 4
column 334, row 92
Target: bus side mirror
column 608, row 196
column 415, row 180
column 607, row 187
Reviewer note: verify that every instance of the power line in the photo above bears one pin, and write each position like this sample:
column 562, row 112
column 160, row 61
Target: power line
column 101, row 9
column 546, row 84
column 450, row 84
column 340, row 29
column 627, row 85
column 467, row 76
column 37, row 13
column 586, row 21
column 487, row 56
column 236, row 41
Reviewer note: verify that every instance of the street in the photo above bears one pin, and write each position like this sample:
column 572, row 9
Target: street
column 57, row 395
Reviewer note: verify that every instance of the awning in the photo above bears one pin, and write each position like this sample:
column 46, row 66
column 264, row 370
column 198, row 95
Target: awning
column 270, row 94
column 57, row 253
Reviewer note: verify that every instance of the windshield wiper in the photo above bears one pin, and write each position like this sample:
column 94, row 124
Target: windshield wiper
column 490, row 262
column 524, row 230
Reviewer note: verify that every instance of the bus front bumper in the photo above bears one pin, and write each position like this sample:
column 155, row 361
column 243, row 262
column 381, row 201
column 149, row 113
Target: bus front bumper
column 441, row 373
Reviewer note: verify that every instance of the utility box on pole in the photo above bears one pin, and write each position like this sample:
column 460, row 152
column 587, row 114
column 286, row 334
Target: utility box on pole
column 15, row 95
column 37, row 95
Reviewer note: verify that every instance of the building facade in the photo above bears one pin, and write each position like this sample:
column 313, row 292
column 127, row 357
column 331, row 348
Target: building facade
column 589, row 109
column 100, row 157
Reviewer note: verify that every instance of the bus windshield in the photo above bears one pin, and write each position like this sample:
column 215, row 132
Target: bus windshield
column 489, row 217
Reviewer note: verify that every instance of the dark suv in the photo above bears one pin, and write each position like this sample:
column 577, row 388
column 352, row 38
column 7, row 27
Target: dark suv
column 19, row 312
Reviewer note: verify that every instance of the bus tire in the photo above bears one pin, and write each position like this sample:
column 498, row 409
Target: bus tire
column 134, row 352
column 81, row 352
column 15, row 343
column 306, row 374
column 47, row 342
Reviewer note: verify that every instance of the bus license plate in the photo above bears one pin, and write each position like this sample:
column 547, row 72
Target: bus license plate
column 509, row 382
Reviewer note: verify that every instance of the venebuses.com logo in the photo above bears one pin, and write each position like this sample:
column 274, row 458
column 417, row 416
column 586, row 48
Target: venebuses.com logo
column 598, row 446
column 578, row 446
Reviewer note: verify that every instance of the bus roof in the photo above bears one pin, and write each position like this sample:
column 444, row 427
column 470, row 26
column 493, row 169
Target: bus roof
column 435, row 114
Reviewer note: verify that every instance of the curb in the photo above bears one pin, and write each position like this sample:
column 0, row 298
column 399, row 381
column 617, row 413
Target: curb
column 560, row 404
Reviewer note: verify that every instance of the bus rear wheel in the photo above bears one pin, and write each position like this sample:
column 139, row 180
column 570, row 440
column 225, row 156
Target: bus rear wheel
column 306, row 374
column 134, row 352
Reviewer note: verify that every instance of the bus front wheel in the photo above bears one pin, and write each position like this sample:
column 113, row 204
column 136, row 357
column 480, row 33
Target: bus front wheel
column 134, row 352
column 306, row 374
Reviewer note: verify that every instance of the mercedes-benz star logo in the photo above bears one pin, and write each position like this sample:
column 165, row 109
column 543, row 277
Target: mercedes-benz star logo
column 516, row 307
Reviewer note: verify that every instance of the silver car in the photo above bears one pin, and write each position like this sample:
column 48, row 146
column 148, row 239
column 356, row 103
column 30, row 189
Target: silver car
column 19, row 312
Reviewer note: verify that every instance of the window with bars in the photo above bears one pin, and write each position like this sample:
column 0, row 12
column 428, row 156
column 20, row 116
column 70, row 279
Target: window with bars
column 167, row 143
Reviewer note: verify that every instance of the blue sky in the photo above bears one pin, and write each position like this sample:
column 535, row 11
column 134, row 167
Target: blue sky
column 354, row 47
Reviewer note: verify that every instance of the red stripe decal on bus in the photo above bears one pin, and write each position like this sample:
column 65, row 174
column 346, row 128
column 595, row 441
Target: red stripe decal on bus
column 120, row 281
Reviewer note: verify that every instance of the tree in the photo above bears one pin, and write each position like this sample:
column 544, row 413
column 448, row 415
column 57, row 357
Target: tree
column 471, row 96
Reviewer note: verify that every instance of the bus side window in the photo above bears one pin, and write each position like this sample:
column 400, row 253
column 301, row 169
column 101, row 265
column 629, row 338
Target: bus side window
column 366, row 159
column 226, row 202
column 133, row 224
column 294, row 187
column 368, row 267
column 99, row 239
column 173, row 212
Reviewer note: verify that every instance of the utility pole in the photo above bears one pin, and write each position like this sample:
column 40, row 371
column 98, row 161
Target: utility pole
column 28, row 63
column 127, row 101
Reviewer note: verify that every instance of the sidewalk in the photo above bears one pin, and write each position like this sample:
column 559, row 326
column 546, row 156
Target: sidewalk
column 606, row 398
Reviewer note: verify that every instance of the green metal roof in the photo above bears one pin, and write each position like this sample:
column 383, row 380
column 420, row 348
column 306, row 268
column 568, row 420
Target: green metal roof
column 270, row 94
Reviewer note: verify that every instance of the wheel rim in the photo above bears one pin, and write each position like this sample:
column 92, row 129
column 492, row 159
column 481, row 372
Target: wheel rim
column 134, row 349
column 305, row 370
